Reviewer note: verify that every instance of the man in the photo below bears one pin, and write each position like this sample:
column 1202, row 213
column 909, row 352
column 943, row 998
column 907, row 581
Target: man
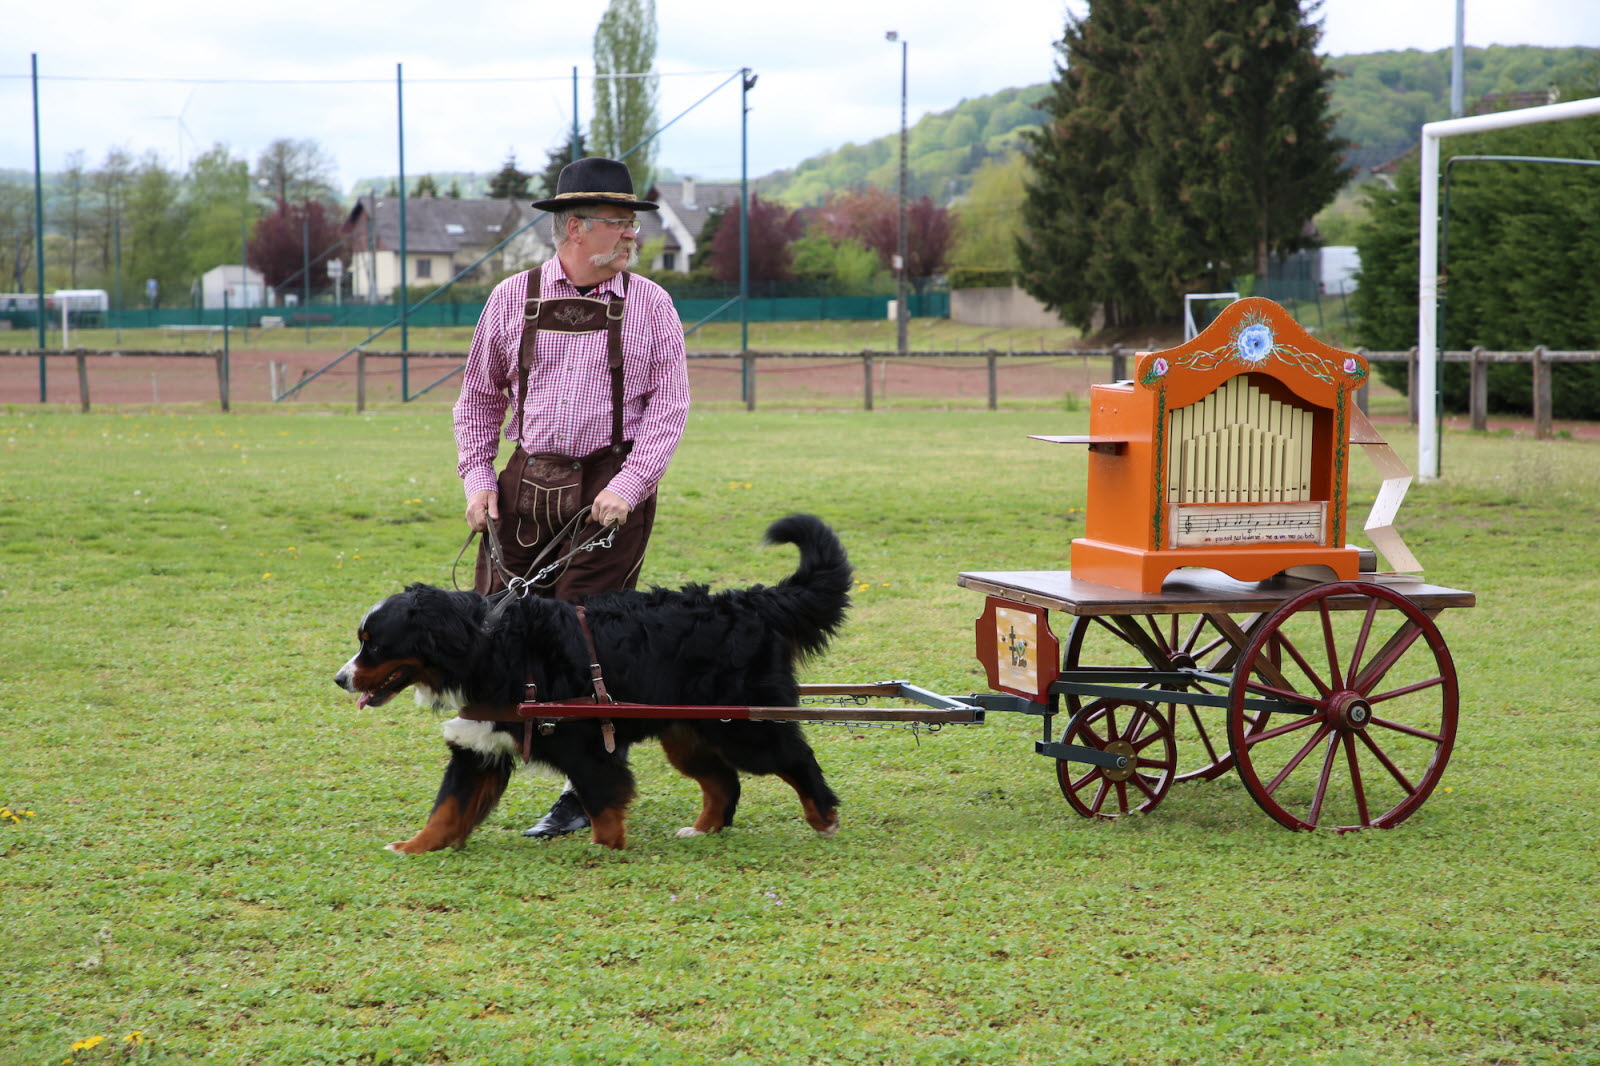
column 591, row 360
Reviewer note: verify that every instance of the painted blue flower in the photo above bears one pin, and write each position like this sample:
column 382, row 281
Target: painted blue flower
column 1255, row 342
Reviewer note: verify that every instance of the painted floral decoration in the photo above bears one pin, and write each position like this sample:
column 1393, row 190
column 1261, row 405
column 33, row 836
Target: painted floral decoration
column 1254, row 342
column 1157, row 371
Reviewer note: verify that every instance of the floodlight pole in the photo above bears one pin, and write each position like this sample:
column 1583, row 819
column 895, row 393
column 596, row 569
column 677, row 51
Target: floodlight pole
column 38, row 223
column 405, row 325
column 747, row 82
column 1428, row 255
column 901, row 311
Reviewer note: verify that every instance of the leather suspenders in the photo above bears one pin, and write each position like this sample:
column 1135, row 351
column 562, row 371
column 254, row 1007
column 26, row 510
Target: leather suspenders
column 573, row 314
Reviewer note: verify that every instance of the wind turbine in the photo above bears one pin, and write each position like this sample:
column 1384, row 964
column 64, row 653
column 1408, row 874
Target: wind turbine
column 182, row 127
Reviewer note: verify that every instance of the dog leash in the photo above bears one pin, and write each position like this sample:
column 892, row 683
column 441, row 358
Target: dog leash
column 521, row 585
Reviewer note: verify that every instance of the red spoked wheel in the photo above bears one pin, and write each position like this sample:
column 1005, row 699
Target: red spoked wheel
column 1376, row 698
column 1142, row 734
column 1164, row 642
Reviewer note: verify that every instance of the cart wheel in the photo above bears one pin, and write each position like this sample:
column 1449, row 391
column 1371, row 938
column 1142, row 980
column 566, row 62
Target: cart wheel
column 1142, row 733
column 1164, row 642
column 1380, row 709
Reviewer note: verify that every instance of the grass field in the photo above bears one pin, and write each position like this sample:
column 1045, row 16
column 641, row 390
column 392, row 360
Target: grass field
column 193, row 813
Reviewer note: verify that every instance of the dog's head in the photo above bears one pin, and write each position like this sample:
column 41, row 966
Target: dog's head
column 423, row 636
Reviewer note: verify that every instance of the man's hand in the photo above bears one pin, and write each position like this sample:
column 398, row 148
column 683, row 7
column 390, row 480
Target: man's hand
column 482, row 506
column 609, row 509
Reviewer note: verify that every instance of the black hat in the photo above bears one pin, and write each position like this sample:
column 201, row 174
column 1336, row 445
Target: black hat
column 594, row 181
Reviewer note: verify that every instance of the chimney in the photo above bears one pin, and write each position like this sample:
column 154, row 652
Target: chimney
column 688, row 193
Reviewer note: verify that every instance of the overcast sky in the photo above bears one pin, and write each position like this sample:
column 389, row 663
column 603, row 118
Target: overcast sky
column 485, row 78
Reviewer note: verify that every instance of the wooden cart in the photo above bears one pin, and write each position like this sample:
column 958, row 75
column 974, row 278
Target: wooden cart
column 1338, row 701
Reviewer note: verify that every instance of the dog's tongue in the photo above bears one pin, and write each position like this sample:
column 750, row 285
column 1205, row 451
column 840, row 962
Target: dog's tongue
column 363, row 700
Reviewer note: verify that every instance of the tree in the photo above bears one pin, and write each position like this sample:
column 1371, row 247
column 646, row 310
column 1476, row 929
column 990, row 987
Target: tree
column 279, row 246
column 986, row 221
column 155, row 233
column 296, row 170
column 425, row 186
column 846, row 267
column 772, row 227
column 108, row 200
column 625, row 86
column 16, row 235
column 509, row 182
column 218, row 192
column 557, row 158
column 872, row 217
column 1187, row 140
column 1519, row 254
column 72, row 215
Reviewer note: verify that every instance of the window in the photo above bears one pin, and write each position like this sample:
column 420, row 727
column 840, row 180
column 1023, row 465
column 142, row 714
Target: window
column 424, row 268
column 669, row 261
column 455, row 229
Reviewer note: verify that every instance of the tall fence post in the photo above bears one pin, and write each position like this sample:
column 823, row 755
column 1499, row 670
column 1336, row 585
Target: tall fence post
column 994, row 385
column 1119, row 364
column 361, row 381
column 83, row 383
column 1411, row 386
column 1364, row 393
column 1542, row 407
column 866, row 374
column 222, row 379
column 1478, row 398
column 747, row 366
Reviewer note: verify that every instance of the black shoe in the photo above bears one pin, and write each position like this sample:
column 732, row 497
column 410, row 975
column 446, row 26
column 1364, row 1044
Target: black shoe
column 565, row 817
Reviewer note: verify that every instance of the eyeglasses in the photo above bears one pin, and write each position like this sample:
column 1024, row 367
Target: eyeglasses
column 618, row 224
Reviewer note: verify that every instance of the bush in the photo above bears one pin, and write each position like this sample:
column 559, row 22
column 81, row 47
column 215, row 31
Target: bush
column 979, row 278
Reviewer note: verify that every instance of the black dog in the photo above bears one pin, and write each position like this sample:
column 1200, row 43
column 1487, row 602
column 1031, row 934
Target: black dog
column 669, row 647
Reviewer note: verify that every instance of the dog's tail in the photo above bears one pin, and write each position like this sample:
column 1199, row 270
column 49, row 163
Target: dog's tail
column 817, row 594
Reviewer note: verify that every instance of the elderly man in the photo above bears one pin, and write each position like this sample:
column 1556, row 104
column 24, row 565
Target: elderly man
column 591, row 360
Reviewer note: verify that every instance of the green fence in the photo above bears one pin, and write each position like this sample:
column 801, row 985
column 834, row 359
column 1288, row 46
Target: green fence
column 372, row 316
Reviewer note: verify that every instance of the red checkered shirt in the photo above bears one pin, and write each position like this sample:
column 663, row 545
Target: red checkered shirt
column 568, row 410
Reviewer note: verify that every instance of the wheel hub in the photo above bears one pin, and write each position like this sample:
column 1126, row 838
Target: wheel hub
column 1121, row 747
column 1350, row 711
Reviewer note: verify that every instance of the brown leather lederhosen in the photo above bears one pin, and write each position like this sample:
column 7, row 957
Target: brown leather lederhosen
column 540, row 493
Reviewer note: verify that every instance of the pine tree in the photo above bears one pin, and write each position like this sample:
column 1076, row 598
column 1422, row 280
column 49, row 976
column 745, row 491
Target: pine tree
column 510, row 182
column 1189, row 140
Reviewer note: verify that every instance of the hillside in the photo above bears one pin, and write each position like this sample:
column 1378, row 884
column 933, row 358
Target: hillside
column 1381, row 100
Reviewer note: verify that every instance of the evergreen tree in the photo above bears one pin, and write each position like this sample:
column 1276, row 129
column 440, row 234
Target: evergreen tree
column 1189, row 140
column 625, row 87
column 1520, row 265
column 559, row 157
column 510, row 182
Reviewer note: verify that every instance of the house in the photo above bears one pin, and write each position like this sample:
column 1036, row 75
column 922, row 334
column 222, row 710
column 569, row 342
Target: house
column 443, row 237
column 243, row 287
column 685, row 207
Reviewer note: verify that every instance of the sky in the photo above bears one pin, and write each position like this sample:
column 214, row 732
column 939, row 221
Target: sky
column 485, row 79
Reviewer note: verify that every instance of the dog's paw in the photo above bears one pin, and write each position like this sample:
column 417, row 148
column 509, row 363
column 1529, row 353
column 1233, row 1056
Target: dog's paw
column 689, row 831
column 406, row 847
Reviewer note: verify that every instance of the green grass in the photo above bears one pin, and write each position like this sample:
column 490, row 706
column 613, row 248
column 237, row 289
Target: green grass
column 193, row 845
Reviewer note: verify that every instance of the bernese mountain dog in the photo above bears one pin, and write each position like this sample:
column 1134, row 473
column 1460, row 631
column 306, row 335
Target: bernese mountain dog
column 686, row 647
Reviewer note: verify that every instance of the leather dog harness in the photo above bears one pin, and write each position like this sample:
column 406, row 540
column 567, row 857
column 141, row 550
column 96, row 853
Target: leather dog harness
column 521, row 712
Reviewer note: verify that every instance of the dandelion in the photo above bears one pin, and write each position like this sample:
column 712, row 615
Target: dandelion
column 89, row 1043
column 135, row 1038
column 266, row 575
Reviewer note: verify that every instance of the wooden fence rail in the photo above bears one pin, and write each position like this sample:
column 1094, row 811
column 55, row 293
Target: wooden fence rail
column 1540, row 359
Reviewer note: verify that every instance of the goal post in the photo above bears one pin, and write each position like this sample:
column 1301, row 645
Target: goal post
column 1428, row 257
